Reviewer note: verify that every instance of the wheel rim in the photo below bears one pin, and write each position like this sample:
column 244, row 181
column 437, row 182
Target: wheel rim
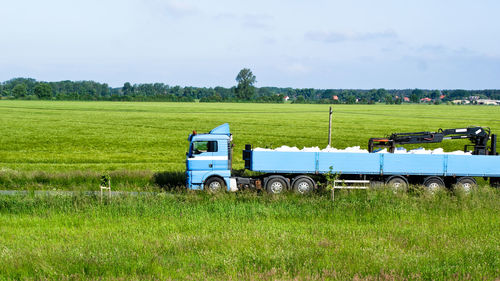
column 397, row 185
column 466, row 186
column 303, row 187
column 434, row 186
column 276, row 187
column 215, row 186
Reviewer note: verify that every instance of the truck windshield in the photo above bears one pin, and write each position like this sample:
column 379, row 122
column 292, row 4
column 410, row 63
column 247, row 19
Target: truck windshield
column 204, row 146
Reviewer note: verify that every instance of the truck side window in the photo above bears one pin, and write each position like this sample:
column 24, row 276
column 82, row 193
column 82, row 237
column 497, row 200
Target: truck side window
column 204, row 146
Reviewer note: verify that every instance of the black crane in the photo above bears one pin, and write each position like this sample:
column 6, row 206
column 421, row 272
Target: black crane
column 478, row 136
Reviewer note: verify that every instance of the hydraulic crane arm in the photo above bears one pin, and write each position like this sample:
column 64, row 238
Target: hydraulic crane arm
column 478, row 136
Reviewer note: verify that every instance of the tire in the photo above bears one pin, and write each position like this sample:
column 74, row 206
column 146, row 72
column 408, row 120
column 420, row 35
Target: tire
column 433, row 184
column 276, row 185
column 495, row 182
column 303, row 185
column 466, row 184
column 215, row 185
column 397, row 183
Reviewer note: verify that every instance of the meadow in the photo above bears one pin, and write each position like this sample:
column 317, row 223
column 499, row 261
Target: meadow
column 373, row 235
column 67, row 145
column 364, row 235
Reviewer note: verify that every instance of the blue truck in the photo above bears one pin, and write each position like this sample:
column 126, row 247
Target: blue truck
column 210, row 155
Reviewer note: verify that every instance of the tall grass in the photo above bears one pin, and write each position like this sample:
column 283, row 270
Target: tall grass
column 367, row 235
column 123, row 180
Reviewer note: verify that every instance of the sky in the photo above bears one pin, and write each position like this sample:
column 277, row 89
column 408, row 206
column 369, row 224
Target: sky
column 431, row 44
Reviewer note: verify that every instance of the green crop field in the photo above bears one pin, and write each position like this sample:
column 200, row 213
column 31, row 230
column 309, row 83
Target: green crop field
column 363, row 235
column 57, row 141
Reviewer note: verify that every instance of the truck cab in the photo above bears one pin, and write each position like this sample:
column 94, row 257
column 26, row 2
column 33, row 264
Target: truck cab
column 209, row 160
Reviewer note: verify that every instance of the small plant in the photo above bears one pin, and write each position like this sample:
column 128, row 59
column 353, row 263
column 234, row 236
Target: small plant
column 105, row 180
column 330, row 178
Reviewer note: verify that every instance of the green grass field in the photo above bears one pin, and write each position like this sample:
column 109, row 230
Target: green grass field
column 46, row 143
column 373, row 235
column 363, row 235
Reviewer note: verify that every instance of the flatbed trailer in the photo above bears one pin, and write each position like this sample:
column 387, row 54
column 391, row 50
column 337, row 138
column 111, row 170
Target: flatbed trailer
column 211, row 168
column 373, row 163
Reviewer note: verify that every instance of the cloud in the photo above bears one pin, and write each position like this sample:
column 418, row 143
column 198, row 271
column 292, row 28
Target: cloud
column 180, row 8
column 434, row 49
column 257, row 21
column 253, row 21
column 422, row 65
column 298, row 68
column 174, row 8
column 336, row 37
column 441, row 50
column 294, row 67
column 225, row 16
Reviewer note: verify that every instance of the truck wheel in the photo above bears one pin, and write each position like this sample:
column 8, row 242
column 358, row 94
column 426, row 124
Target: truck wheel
column 466, row 183
column 397, row 183
column 495, row 182
column 303, row 185
column 214, row 185
column 433, row 184
column 276, row 185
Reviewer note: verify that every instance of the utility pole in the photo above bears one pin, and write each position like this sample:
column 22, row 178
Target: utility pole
column 330, row 128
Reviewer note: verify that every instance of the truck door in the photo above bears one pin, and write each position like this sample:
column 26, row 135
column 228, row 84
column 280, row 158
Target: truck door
column 201, row 155
column 221, row 156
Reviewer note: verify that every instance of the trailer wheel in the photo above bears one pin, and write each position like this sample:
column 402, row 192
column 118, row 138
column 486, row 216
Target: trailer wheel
column 214, row 185
column 397, row 183
column 466, row 183
column 303, row 185
column 433, row 184
column 276, row 185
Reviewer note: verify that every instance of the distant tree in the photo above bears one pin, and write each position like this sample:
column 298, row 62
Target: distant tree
column 20, row 90
column 127, row 89
column 264, row 92
column 374, row 95
column 414, row 98
column 416, row 95
column 104, row 90
column 328, row 94
column 351, row 99
column 382, row 94
column 435, row 94
column 308, row 93
column 363, row 100
column 245, row 89
column 388, row 99
column 188, row 91
column 300, row 99
column 43, row 91
column 177, row 90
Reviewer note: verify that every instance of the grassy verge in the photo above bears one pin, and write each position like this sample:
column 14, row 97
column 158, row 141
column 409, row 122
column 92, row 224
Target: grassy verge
column 369, row 235
column 123, row 180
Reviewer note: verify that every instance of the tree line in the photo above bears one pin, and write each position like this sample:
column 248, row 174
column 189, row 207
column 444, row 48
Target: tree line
column 244, row 91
